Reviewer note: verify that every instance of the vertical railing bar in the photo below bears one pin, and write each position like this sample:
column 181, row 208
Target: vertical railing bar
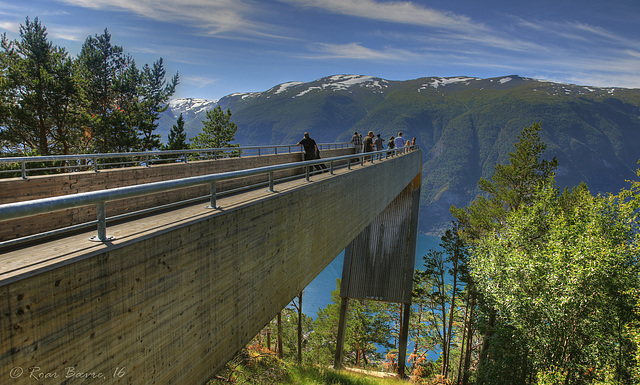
column 101, row 213
column 271, row 181
column 24, row 169
column 212, row 198
column 307, row 172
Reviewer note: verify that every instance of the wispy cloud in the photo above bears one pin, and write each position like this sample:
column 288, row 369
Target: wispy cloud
column 199, row 81
column 10, row 26
column 447, row 27
column 394, row 11
column 358, row 52
column 68, row 33
column 212, row 16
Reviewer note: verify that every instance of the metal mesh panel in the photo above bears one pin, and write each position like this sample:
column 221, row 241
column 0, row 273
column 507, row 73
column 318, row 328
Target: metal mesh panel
column 379, row 263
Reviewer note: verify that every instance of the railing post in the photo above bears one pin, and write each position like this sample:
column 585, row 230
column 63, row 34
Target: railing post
column 331, row 168
column 212, row 199
column 271, row 181
column 95, row 164
column 307, row 172
column 24, row 169
column 101, row 212
column 102, row 221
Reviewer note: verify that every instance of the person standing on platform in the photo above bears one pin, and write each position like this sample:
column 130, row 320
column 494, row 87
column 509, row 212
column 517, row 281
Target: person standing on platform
column 357, row 142
column 400, row 142
column 378, row 142
column 367, row 144
column 391, row 145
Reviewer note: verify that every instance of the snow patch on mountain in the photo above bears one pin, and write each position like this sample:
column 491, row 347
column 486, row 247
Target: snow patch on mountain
column 344, row 82
column 285, row 86
column 505, row 80
column 246, row 95
column 191, row 105
column 438, row 82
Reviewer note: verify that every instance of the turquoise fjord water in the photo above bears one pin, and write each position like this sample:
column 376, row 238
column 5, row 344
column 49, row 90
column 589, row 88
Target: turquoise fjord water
column 318, row 294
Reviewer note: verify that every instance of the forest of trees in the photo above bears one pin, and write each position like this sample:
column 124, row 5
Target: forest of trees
column 98, row 102
column 531, row 285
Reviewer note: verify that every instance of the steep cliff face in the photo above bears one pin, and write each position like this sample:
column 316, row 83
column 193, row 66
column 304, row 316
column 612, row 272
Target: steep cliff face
column 465, row 126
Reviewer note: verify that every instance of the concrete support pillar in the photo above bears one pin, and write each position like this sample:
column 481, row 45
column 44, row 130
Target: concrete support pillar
column 342, row 325
column 404, row 337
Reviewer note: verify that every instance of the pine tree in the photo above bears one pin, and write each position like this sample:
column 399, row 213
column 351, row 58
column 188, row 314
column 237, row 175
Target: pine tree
column 217, row 132
column 177, row 136
column 153, row 95
column 513, row 185
column 108, row 81
column 39, row 94
column 123, row 102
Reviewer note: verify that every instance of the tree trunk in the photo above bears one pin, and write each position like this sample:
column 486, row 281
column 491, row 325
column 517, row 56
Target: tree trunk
column 280, row 353
column 449, row 332
column 487, row 337
column 467, row 358
column 463, row 344
column 300, row 328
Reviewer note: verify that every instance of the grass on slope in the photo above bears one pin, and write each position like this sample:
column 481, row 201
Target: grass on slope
column 259, row 367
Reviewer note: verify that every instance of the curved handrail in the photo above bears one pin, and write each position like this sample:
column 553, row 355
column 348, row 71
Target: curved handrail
column 151, row 156
column 46, row 205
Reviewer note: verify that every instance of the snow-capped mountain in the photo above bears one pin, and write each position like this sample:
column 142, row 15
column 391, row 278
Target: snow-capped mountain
column 464, row 125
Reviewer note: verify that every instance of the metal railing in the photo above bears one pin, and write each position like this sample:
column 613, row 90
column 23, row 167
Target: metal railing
column 95, row 162
column 99, row 198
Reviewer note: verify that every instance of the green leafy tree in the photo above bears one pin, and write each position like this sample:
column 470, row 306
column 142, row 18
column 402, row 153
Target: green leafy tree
column 560, row 271
column 367, row 326
column 217, row 132
column 39, row 94
column 513, row 185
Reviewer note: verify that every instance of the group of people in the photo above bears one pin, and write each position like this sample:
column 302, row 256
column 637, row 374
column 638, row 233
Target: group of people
column 369, row 144
column 376, row 143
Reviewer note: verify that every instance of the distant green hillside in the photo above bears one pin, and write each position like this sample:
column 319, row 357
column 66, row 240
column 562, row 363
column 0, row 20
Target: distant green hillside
column 463, row 125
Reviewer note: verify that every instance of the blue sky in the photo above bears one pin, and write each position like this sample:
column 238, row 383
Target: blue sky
column 224, row 46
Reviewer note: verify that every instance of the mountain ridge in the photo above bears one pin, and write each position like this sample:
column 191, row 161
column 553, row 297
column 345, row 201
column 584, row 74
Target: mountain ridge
column 464, row 125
